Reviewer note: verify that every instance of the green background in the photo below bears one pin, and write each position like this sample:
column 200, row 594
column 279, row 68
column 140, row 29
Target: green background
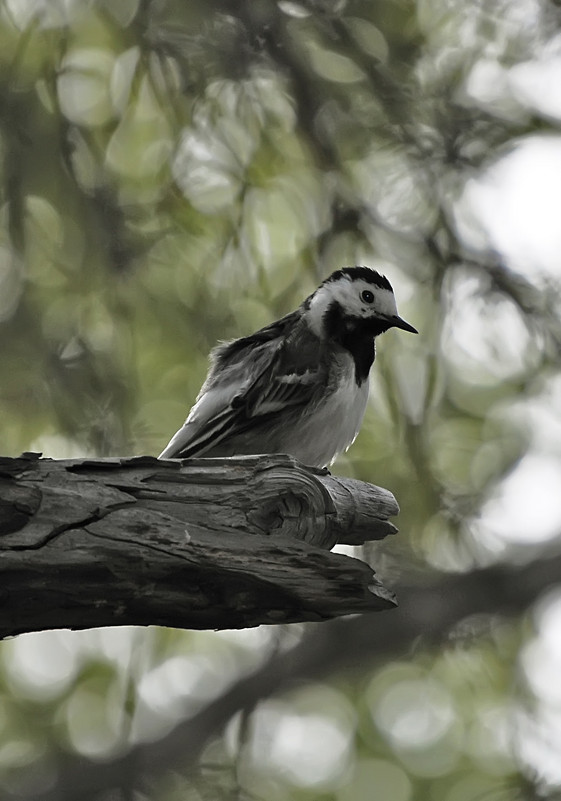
column 176, row 173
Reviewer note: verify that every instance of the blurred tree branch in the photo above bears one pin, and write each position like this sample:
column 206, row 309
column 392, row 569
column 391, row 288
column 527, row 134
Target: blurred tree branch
column 429, row 612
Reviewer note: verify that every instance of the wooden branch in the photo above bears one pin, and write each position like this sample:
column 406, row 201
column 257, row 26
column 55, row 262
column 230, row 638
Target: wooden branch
column 203, row 543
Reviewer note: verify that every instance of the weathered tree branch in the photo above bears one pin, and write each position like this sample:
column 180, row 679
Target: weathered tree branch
column 207, row 543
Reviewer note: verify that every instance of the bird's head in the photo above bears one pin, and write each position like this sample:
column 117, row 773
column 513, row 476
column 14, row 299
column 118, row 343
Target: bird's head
column 356, row 299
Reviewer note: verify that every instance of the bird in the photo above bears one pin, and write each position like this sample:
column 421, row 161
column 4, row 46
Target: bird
column 298, row 386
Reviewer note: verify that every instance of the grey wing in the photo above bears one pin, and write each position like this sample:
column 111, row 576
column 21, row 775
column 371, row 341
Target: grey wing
column 240, row 391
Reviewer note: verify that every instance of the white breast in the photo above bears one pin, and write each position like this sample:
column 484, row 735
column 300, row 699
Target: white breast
column 332, row 426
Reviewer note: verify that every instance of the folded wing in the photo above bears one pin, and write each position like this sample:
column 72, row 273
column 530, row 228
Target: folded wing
column 250, row 379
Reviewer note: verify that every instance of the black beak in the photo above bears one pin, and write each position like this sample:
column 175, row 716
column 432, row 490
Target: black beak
column 397, row 322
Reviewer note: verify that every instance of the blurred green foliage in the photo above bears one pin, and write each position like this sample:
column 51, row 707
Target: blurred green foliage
column 174, row 173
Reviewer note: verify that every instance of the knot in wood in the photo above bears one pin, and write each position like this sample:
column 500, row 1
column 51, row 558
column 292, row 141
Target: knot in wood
column 18, row 504
column 290, row 501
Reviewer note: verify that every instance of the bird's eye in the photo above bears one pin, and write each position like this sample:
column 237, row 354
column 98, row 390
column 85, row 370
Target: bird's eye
column 367, row 296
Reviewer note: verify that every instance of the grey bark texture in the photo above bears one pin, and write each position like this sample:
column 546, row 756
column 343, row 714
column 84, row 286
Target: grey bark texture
column 203, row 543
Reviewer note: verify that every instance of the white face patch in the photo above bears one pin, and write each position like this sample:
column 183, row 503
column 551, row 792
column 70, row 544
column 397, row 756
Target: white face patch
column 384, row 302
column 348, row 294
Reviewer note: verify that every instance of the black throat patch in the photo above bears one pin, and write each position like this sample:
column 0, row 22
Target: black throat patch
column 355, row 335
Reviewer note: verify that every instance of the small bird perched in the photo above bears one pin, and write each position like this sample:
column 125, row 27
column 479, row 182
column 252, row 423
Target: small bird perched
column 299, row 385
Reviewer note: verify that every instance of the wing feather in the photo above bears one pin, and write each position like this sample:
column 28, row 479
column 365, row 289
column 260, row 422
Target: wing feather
column 250, row 379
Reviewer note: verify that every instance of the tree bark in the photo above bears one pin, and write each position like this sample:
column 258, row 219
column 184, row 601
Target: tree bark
column 203, row 543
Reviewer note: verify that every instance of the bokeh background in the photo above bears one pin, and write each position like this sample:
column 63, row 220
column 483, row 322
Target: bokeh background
column 177, row 172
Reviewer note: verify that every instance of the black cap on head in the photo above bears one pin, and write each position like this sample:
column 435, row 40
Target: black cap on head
column 364, row 273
